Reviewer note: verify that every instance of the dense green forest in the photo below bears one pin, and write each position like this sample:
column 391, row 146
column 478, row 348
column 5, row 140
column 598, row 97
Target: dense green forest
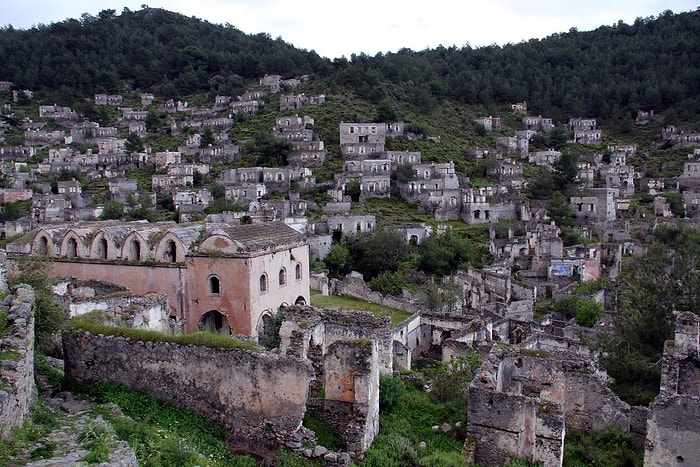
column 608, row 73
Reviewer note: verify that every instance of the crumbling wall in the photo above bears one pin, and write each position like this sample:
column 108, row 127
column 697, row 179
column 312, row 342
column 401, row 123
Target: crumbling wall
column 673, row 431
column 135, row 311
column 505, row 425
column 260, row 398
column 673, row 425
column 119, row 307
column 354, row 285
column 556, row 372
column 306, row 326
column 18, row 392
column 351, row 402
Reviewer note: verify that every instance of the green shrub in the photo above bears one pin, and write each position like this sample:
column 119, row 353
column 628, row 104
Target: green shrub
column 444, row 459
column 388, row 283
column 589, row 312
column 391, row 389
column 450, row 380
column 607, row 447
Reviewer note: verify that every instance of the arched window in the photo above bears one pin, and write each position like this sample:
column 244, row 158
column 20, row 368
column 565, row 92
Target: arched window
column 171, row 252
column 283, row 277
column 297, row 272
column 214, row 285
column 72, row 248
column 43, row 246
column 135, row 250
column 102, row 248
column 263, row 283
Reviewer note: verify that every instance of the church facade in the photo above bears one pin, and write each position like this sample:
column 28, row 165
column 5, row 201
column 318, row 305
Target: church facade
column 218, row 277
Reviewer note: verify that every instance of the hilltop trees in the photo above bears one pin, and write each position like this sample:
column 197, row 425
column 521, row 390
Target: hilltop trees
column 611, row 71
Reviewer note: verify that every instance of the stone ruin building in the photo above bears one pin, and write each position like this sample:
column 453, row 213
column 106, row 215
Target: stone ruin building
column 525, row 397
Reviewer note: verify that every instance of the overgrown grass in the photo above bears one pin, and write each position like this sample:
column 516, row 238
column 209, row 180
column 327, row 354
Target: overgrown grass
column 394, row 212
column 162, row 434
column 404, row 428
column 350, row 303
column 611, row 447
column 90, row 323
column 31, row 431
column 96, row 437
column 324, row 433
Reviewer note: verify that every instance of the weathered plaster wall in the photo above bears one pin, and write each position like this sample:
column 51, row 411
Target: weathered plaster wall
column 552, row 371
column 18, row 392
column 673, row 431
column 139, row 279
column 352, row 392
column 260, row 398
column 119, row 309
column 673, row 424
column 508, row 424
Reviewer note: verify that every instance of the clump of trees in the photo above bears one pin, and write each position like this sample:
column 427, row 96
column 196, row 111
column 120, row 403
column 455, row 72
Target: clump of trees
column 384, row 256
column 650, row 288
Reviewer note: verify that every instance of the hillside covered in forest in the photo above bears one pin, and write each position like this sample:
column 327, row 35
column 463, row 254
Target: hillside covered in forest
column 610, row 72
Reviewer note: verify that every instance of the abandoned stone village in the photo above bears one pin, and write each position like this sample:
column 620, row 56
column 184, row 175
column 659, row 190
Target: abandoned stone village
column 230, row 273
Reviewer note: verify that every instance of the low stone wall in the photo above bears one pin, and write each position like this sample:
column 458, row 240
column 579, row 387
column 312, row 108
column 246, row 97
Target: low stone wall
column 260, row 398
column 18, row 388
column 354, row 285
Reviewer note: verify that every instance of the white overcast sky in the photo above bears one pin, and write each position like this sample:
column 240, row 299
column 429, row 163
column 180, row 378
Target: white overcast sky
column 340, row 27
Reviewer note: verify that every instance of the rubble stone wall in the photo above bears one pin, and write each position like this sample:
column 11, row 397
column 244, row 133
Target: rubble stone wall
column 18, row 392
column 673, row 431
column 352, row 392
column 260, row 398
column 353, row 285
column 505, row 425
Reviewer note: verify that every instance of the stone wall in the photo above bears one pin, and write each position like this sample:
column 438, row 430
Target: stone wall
column 348, row 350
column 18, row 392
column 673, row 431
column 504, row 425
column 673, row 425
column 119, row 307
column 515, row 388
column 260, row 398
column 354, row 285
column 352, row 392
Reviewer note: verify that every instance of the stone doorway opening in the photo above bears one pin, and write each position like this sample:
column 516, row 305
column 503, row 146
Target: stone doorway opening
column 215, row 322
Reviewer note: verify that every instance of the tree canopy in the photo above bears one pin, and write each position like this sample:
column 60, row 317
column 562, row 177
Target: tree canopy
column 650, row 288
column 610, row 72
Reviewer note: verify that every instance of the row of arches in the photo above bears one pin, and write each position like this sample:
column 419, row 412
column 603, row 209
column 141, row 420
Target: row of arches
column 101, row 246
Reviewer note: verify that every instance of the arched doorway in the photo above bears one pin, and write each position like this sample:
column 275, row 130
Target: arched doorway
column 215, row 322
column 300, row 301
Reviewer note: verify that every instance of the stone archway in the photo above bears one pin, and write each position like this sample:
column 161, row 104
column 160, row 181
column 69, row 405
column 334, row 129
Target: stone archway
column 215, row 322
column 300, row 301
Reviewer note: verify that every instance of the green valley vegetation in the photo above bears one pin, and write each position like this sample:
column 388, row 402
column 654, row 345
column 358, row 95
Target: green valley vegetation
column 649, row 290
